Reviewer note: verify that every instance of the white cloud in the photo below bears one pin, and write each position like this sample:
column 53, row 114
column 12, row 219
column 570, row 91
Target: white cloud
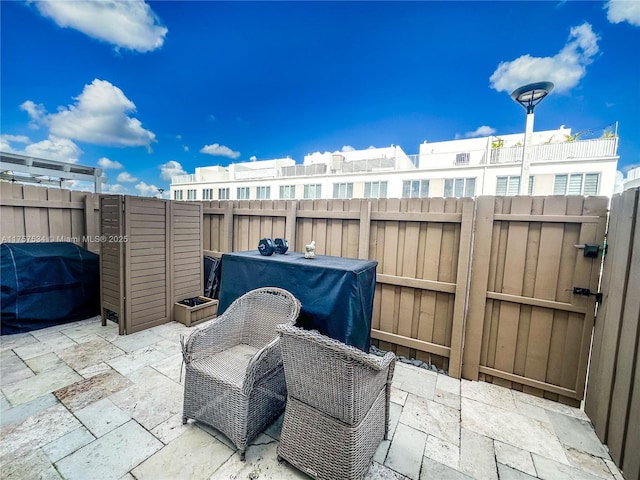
column 253, row 158
column 564, row 69
column 6, row 140
column 185, row 148
column 145, row 190
column 116, row 188
column 99, row 116
column 107, row 164
column 126, row 178
column 483, row 131
column 619, row 182
column 52, row 148
column 623, row 11
column 171, row 169
column 219, row 150
column 348, row 148
column 78, row 185
column 131, row 25
column 37, row 113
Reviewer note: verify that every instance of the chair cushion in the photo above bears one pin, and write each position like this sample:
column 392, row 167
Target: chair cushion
column 228, row 366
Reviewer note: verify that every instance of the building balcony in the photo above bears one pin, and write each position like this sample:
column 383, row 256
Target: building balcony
column 546, row 152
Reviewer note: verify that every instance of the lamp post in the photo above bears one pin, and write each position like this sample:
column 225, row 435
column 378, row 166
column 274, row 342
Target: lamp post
column 529, row 96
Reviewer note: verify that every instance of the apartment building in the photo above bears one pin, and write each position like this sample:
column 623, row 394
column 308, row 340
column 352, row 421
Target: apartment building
column 560, row 164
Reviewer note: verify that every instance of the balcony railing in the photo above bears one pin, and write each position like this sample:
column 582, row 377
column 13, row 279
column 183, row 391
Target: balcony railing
column 602, row 147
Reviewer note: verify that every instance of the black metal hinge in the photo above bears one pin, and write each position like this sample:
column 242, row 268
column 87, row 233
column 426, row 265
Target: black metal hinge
column 586, row 292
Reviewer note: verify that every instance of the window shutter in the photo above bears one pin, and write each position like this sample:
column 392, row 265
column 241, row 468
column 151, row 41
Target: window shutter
column 560, row 185
column 406, row 189
column 591, row 181
column 575, row 184
column 424, row 188
column 514, row 186
column 448, row 187
column 471, row 187
column 501, row 186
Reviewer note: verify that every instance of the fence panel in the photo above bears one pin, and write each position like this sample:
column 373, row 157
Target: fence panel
column 36, row 214
column 613, row 392
column 526, row 329
column 422, row 247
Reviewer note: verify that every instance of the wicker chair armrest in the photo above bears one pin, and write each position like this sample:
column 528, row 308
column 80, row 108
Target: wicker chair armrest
column 223, row 333
column 267, row 359
column 366, row 359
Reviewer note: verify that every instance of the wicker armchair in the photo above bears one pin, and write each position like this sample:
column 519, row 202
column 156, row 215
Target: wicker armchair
column 337, row 407
column 234, row 379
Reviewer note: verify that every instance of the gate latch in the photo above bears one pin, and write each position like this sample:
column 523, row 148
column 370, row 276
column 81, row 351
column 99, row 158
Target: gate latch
column 591, row 249
column 586, row 292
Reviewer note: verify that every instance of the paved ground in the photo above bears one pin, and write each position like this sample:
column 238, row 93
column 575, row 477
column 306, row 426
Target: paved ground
column 80, row 402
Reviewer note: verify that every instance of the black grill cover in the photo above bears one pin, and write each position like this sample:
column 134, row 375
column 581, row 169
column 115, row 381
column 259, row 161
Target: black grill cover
column 46, row 284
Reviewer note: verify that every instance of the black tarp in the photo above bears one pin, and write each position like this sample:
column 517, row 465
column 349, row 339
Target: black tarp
column 336, row 293
column 46, row 284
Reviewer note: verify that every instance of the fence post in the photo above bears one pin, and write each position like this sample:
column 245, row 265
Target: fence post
column 90, row 226
column 290, row 232
column 365, row 230
column 227, row 228
column 479, row 274
column 462, row 288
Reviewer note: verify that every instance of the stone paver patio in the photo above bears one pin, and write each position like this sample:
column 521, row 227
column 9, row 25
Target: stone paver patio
column 80, row 402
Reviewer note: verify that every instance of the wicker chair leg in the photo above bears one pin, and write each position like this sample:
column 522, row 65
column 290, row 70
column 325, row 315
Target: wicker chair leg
column 242, row 455
column 184, row 420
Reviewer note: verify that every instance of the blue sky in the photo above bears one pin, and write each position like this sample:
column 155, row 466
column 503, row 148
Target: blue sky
column 147, row 90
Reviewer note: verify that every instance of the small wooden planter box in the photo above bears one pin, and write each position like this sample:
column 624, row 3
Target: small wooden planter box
column 193, row 315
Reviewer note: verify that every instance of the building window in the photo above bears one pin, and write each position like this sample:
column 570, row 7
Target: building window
column 287, row 192
column 263, row 193
column 510, row 186
column 223, row 194
column 207, row 193
column 415, row 188
column 375, row 190
column 243, row 193
column 343, row 190
column 191, row 194
column 459, row 187
column 177, row 194
column 462, row 158
column 313, row 191
column 577, row 184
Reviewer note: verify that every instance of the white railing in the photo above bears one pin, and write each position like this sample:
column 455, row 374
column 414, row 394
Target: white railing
column 194, row 178
column 602, row 147
column 252, row 174
column 633, row 174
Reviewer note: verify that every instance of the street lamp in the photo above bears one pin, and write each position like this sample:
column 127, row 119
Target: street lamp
column 529, row 96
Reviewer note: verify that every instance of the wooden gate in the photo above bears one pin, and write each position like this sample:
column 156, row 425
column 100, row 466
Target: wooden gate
column 526, row 328
column 613, row 391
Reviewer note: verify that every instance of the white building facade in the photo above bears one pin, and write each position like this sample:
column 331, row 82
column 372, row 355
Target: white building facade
column 456, row 168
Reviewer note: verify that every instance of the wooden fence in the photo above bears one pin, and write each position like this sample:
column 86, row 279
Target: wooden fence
column 613, row 394
column 422, row 247
column 526, row 327
column 512, row 319
column 481, row 288
column 35, row 214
